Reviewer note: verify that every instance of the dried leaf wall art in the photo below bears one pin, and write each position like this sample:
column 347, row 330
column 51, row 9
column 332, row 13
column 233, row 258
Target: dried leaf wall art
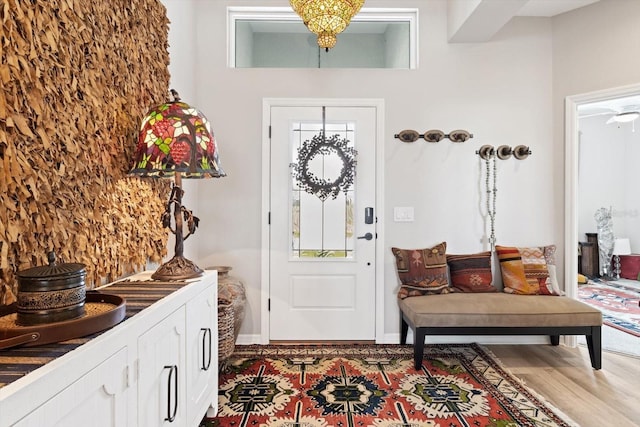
column 76, row 78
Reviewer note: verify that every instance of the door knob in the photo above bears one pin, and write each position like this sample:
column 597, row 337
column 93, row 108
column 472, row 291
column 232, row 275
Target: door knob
column 367, row 236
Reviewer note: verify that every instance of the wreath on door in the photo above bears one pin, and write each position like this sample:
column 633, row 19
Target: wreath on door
column 323, row 187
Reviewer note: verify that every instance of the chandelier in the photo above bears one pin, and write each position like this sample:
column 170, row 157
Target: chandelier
column 326, row 18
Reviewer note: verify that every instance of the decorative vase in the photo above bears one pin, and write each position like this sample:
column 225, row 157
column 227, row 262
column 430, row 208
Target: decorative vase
column 606, row 239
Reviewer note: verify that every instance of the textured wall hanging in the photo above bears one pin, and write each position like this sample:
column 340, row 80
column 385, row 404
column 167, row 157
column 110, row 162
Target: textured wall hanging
column 77, row 77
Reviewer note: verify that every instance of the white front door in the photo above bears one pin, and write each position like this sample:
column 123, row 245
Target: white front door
column 322, row 237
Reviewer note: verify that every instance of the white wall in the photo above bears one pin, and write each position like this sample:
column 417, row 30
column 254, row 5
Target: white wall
column 608, row 177
column 592, row 50
column 500, row 91
column 182, row 55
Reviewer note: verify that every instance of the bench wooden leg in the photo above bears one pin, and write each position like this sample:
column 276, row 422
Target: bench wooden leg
column 418, row 347
column 404, row 329
column 555, row 339
column 594, row 343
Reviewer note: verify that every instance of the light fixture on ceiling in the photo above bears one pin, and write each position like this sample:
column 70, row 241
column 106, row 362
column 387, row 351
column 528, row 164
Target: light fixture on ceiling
column 625, row 117
column 326, row 18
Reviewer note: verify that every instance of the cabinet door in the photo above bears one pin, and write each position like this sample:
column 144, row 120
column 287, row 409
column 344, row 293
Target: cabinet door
column 98, row 398
column 202, row 354
column 161, row 384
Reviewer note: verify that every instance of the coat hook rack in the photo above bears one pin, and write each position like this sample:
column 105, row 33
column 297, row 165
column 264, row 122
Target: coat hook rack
column 434, row 135
column 504, row 152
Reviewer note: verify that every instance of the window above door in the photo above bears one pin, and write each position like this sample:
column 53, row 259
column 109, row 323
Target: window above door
column 269, row 37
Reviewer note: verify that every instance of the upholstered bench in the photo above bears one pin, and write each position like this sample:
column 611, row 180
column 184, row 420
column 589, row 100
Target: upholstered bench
column 499, row 314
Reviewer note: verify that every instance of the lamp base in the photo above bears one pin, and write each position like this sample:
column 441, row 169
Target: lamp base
column 177, row 268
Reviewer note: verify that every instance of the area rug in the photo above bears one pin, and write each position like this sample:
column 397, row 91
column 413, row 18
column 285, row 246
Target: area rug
column 374, row 385
column 620, row 307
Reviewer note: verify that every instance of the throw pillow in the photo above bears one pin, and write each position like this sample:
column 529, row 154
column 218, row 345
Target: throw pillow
column 471, row 273
column 525, row 271
column 422, row 271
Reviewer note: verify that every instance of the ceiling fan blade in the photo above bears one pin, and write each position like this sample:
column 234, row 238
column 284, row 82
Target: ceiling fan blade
column 603, row 113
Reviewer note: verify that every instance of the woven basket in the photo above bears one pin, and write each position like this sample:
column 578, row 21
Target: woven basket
column 226, row 337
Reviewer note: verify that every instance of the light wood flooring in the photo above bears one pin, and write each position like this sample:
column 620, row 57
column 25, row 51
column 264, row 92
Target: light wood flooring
column 564, row 377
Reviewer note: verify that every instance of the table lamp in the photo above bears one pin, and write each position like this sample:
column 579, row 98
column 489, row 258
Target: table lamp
column 176, row 141
column 620, row 247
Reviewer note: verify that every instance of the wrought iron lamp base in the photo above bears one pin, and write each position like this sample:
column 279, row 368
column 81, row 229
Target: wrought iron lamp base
column 177, row 268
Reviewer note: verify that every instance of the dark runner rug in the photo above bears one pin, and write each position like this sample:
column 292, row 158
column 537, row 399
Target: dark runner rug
column 374, row 385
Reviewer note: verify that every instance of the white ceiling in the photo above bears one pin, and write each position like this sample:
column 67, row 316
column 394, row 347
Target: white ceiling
column 551, row 7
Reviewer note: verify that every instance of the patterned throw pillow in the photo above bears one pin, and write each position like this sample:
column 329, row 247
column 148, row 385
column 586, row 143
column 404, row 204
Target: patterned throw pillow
column 525, row 271
column 471, row 273
column 422, row 271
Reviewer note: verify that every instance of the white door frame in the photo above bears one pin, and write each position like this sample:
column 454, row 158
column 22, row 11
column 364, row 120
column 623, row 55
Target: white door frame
column 378, row 104
column 571, row 181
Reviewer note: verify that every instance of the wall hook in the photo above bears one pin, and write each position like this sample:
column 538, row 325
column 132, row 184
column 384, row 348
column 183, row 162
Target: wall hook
column 459, row 135
column 408, row 135
column 521, row 152
column 486, row 152
column 434, row 135
column 504, row 152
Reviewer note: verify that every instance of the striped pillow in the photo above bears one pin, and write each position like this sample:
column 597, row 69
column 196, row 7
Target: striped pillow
column 471, row 273
column 525, row 271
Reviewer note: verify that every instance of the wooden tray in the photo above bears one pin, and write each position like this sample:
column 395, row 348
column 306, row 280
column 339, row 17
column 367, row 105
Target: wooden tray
column 102, row 311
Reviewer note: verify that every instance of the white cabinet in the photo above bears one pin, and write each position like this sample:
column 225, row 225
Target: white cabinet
column 202, row 360
column 161, row 367
column 98, row 398
column 156, row 368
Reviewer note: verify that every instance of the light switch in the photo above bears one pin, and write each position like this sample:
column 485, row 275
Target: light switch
column 403, row 214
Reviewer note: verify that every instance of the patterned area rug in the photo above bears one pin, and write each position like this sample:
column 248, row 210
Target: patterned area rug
column 620, row 306
column 374, row 385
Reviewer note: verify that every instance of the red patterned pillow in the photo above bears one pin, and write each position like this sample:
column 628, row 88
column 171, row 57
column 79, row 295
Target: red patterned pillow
column 422, row 271
column 471, row 273
column 524, row 270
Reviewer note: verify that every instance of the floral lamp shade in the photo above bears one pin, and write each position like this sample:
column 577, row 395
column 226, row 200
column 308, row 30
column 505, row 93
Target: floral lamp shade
column 175, row 137
column 176, row 141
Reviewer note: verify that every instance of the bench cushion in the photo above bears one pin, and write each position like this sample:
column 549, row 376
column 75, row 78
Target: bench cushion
column 498, row 310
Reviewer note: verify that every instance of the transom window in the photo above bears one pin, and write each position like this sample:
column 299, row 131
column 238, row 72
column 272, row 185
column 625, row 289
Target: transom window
column 276, row 37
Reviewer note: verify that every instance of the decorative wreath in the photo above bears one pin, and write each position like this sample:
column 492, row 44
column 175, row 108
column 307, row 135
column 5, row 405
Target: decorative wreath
column 321, row 187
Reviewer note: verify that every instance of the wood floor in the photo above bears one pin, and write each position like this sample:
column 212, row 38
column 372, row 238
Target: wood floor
column 564, row 377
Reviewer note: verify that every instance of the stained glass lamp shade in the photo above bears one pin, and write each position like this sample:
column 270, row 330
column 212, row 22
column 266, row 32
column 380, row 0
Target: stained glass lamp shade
column 326, row 18
column 176, row 141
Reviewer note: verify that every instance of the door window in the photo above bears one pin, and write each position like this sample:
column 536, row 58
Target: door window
column 322, row 191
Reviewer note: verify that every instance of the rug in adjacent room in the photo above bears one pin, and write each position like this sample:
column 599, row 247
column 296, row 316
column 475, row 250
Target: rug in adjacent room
column 620, row 306
column 374, row 385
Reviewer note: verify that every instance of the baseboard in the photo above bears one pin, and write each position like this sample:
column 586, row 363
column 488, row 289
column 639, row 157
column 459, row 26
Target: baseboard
column 247, row 339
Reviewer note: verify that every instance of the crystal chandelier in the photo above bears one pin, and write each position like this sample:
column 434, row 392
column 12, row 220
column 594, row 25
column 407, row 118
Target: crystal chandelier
column 326, row 18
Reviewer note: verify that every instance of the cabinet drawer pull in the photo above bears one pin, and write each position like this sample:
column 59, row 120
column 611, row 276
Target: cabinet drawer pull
column 206, row 333
column 172, row 416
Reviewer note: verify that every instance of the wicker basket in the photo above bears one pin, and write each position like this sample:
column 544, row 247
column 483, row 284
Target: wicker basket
column 226, row 337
